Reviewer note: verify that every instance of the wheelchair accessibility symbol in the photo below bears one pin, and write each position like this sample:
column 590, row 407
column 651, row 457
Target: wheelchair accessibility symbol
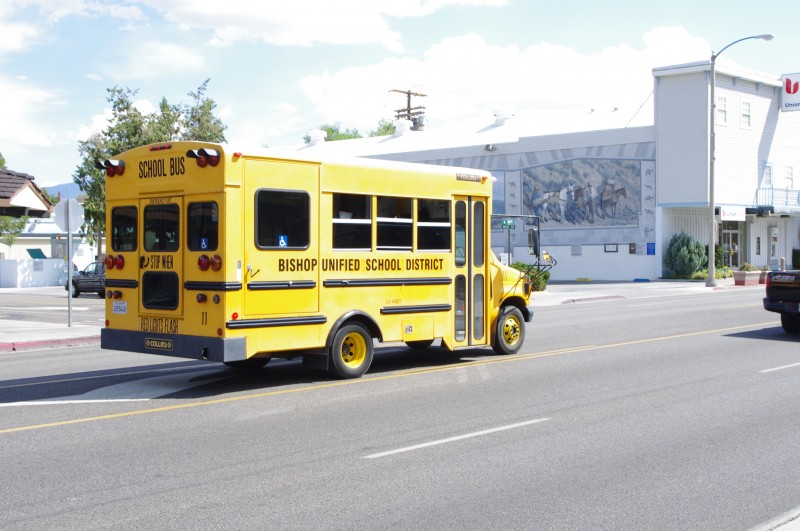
column 283, row 241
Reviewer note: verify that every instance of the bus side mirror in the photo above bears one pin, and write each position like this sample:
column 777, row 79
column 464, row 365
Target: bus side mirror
column 533, row 243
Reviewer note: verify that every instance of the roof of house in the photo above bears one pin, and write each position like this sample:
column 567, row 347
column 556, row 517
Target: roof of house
column 19, row 196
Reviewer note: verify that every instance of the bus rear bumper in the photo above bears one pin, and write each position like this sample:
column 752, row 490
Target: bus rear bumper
column 180, row 346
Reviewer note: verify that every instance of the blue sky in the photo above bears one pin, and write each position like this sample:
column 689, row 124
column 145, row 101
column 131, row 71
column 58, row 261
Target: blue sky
column 280, row 69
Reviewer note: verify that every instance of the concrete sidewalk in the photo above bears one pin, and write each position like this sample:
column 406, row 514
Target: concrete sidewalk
column 30, row 335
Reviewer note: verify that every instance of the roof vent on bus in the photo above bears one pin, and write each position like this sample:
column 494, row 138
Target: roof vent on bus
column 204, row 156
column 112, row 167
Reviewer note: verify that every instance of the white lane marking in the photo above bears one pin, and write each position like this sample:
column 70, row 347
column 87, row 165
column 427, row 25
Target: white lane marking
column 67, row 402
column 780, row 368
column 453, row 439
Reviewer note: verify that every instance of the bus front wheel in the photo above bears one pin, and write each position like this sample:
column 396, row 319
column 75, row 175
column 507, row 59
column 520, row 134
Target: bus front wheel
column 351, row 352
column 510, row 332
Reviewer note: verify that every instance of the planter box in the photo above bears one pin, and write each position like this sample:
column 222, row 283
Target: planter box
column 763, row 278
column 746, row 278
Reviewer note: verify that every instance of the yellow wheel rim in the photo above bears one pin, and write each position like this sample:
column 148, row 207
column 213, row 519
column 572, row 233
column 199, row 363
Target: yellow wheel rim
column 354, row 350
column 511, row 330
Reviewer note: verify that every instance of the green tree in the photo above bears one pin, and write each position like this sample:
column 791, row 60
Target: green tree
column 334, row 132
column 128, row 128
column 11, row 228
column 385, row 128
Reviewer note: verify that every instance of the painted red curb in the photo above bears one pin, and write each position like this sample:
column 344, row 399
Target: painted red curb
column 16, row 346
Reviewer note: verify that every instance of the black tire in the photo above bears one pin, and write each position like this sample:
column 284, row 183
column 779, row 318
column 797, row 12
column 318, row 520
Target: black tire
column 75, row 291
column 790, row 322
column 510, row 331
column 421, row 344
column 351, row 352
column 101, row 294
column 251, row 364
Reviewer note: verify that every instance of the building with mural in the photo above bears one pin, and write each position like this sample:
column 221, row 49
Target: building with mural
column 610, row 200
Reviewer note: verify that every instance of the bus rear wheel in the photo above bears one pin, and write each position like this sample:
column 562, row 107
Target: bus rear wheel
column 351, row 352
column 510, row 332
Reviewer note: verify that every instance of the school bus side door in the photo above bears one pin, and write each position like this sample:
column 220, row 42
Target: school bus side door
column 280, row 212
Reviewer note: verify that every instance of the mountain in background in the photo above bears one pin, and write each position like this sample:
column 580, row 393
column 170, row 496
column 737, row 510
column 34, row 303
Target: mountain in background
column 67, row 191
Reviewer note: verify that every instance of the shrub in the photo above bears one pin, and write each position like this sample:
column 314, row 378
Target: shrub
column 684, row 255
column 747, row 267
column 536, row 276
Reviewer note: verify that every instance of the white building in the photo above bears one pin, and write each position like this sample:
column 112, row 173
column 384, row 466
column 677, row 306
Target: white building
column 610, row 200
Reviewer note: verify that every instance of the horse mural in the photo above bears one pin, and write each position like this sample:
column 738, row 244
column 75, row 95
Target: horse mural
column 580, row 207
column 608, row 198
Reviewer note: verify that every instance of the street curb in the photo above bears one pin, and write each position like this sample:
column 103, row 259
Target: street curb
column 16, row 346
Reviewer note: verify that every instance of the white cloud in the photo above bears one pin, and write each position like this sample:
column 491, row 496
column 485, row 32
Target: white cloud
column 466, row 80
column 302, row 22
column 163, row 59
column 94, row 77
column 17, row 37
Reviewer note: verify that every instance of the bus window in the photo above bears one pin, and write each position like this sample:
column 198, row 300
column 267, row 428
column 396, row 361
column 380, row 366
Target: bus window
column 478, row 234
column 160, row 290
column 395, row 230
column 461, row 308
column 123, row 228
column 433, row 225
column 282, row 219
column 161, row 227
column 461, row 234
column 352, row 222
column 202, row 227
column 477, row 306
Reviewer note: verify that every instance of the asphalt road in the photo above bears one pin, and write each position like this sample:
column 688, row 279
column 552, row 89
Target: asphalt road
column 50, row 304
column 667, row 413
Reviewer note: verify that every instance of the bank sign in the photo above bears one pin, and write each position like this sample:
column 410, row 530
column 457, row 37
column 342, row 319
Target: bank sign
column 790, row 83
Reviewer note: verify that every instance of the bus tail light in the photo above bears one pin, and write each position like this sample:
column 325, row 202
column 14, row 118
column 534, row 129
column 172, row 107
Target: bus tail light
column 201, row 298
column 112, row 261
column 116, row 294
column 203, row 262
column 216, row 263
column 112, row 167
column 204, row 156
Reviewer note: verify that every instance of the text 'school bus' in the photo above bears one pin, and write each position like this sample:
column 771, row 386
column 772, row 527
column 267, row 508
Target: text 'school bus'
column 237, row 258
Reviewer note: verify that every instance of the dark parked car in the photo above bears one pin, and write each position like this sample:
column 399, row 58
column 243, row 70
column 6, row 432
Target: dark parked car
column 92, row 279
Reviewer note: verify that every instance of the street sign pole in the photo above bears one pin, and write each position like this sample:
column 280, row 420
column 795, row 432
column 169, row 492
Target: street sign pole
column 68, row 215
column 69, row 267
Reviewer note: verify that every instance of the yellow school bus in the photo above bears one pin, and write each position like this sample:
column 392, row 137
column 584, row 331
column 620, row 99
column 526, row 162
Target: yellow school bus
column 239, row 257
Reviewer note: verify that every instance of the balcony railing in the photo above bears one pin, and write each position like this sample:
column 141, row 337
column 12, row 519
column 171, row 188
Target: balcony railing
column 782, row 199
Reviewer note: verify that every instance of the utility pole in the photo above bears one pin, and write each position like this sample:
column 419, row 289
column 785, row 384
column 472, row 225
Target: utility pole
column 414, row 114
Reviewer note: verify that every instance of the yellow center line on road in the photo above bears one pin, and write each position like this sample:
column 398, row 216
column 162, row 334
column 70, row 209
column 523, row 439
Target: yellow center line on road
column 404, row 374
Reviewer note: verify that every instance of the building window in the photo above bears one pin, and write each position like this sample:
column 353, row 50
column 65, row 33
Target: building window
column 722, row 110
column 767, row 181
column 746, row 115
column 789, row 177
